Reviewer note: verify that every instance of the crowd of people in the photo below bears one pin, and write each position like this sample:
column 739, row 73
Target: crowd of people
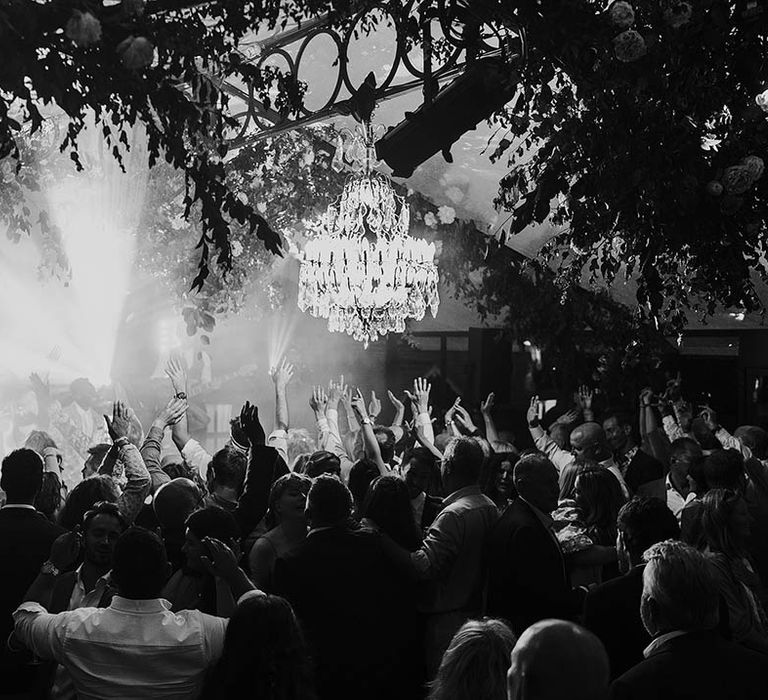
column 623, row 555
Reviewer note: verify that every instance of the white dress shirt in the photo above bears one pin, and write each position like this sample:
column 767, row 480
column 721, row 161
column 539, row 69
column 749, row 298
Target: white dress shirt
column 675, row 500
column 133, row 649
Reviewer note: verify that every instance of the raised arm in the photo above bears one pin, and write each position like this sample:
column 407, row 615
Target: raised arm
column 152, row 448
column 420, row 407
column 585, row 396
column 558, row 456
column 486, row 408
column 372, row 449
column 397, row 422
column 281, row 376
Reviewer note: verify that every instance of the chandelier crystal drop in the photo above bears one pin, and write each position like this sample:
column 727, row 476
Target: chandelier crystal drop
column 363, row 271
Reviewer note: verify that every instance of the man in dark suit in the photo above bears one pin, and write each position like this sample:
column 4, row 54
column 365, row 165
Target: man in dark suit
column 687, row 657
column 612, row 610
column 527, row 578
column 354, row 602
column 26, row 537
column 416, row 470
column 643, row 474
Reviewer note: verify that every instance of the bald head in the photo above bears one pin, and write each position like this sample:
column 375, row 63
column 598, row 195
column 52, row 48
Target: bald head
column 588, row 440
column 175, row 501
column 578, row 655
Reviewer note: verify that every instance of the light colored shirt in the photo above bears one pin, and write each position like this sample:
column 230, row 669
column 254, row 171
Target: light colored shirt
column 278, row 439
column 612, row 467
column 133, row 649
column 81, row 598
column 660, row 641
column 675, row 500
column 196, row 456
column 450, row 556
column 557, row 455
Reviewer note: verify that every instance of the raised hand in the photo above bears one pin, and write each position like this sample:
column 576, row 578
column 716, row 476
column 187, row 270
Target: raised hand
column 336, row 391
column 452, row 410
column 176, row 371
column 585, row 396
column 568, row 417
column 710, row 419
column 41, row 387
column 220, row 560
column 251, row 425
column 397, row 403
column 462, row 415
column 646, row 396
column 421, row 389
column 532, row 416
column 282, row 374
column 374, row 407
column 358, row 406
column 172, row 413
column 319, row 400
column 120, row 424
column 487, row 406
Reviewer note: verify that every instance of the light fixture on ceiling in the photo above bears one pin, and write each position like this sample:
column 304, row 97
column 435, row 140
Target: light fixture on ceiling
column 362, row 270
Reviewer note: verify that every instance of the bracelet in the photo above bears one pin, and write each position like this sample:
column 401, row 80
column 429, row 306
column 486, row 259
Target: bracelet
column 366, row 421
column 121, row 442
column 181, row 395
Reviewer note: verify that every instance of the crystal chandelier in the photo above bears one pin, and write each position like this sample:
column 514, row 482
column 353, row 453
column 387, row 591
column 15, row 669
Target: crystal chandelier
column 362, row 271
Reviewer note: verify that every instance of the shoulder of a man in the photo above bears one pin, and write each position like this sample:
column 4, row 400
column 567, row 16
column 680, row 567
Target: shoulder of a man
column 646, row 466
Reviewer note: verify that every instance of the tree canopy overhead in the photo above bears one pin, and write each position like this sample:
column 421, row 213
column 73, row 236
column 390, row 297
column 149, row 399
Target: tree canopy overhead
column 639, row 128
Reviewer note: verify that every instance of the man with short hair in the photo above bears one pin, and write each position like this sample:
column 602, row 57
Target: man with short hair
column 354, row 601
column 527, row 576
column 687, row 657
column 136, row 647
column 416, row 470
column 25, row 540
column 450, row 558
column 612, row 610
column 553, row 660
column 683, row 453
column 643, row 474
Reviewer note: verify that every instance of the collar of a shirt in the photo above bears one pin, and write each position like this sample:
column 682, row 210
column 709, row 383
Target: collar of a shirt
column 22, row 506
column 472, row 490
column 129, row 605
column 660, row 641
column 105, row 579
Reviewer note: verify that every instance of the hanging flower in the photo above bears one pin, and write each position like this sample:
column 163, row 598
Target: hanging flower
column 714, row 188
column 83, row 28
column 755, row 166
column 237, row 249
column 678, row 14
column 737, row 179
column 134, row 8
column 622, row 14
column 447, row 215
column 629, row 46
column 762, row 100
column 430, row 219
column 136, row 52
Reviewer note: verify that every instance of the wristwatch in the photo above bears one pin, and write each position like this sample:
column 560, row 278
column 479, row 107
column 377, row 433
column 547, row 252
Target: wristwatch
column 366, row 421
column 49, row 568
column 181, row 395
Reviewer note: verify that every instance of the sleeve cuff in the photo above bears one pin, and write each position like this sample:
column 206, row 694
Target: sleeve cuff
column 30, row 607
column 277, row 434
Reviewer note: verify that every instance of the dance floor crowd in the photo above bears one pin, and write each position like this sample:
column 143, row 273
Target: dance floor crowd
column 623, row 555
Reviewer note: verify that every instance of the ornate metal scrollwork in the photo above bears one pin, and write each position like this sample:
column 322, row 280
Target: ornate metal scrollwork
column 453, row 34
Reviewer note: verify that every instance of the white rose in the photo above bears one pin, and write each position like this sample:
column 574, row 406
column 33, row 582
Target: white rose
column 237, row 249
column 762, row 101
column 136, row 52
column 83, row 28
column 447, row 215
column 134, row 8
column 622, row 14
column 678, row 14
column 755, row 166
column 737, row 179
column 629, row 46
column 430, row 219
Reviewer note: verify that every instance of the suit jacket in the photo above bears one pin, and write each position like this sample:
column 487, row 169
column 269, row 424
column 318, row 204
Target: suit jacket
column 356, row 606
column 696, row 666
column 642, row 469
column 612, row 612
column 432, row 506
column 527, row 578
column 26, row 537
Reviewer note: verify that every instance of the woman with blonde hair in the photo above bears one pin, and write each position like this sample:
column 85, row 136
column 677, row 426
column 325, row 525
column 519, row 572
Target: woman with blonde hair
column 476, row 662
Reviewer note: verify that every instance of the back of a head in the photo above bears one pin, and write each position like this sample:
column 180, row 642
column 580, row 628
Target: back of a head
column 213, row 521
column 704, row 435
column 724, row 469
column 329, row 503
column 718, row 523
column 22, row 475
column 476, row 662
column 362, row 473
column 389, row 506
column 38, row 440
column 281, row 485
column 175, row 501
column 227, row 468
column 588, row 435
column 755, row 438
column 645, row 521
column 463, row 460
column 600, row 498
column 685, row 447
column 264, row 655
column 322, row 462
column 535, row 480
column 139, row 564
column 99, row 487
column 680, row 590
column 554, row 659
